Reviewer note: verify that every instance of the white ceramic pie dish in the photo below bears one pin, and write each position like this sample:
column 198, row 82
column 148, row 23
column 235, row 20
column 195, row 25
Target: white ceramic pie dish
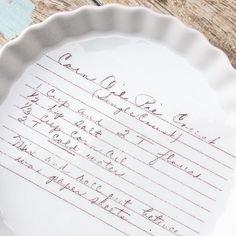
column 62, row 28
column 53, row 31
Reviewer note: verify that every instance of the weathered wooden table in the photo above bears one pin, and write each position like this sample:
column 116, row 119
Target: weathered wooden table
column 216, row 19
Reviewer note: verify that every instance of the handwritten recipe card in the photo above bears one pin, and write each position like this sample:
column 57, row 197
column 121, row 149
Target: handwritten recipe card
column 113, row 136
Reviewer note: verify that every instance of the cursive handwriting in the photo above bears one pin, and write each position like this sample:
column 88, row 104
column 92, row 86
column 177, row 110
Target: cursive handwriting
column 180, row 119
column 158, row 219
column 169, row 157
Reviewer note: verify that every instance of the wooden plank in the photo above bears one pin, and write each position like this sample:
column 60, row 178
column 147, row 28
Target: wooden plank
column 15, row 12
column 44, row 9
column 15, row 16
column 216, row 19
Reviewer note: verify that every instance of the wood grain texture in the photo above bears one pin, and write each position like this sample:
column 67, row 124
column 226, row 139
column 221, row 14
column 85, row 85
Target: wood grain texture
column 44, row 9
column 216, row 19
column 3, row 40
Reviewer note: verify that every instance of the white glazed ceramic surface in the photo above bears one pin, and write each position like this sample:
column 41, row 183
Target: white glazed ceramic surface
column 164, row 29
column 133, row 43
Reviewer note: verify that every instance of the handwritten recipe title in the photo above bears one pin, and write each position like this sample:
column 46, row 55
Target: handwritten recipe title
column 115, row 157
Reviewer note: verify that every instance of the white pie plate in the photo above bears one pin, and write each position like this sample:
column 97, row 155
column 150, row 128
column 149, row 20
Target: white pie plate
column 112, row 31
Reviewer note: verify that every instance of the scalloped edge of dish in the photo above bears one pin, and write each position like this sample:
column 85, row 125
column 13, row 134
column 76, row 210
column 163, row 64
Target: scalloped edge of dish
column 191, row 44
